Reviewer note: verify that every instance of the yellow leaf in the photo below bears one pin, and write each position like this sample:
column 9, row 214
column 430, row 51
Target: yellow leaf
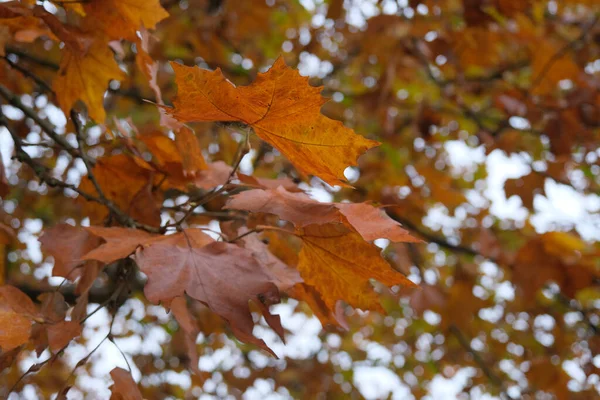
column 282, row 108
column 85, row 77
column 339, row 264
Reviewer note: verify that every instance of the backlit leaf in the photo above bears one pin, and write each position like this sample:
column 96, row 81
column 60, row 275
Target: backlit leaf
column 281, row 108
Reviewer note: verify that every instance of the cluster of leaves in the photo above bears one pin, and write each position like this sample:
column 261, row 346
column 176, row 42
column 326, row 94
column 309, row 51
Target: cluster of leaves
column 189, row 152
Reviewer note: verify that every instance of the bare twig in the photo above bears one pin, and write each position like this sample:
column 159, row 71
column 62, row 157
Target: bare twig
column 43, row 174
column 46, row 126
column 491, row 375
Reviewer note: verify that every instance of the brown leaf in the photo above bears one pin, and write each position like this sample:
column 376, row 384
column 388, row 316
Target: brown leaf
column 216, row 174
column 373, row 223
column 189, row 324
column 67, row 244
column 281, row 108
column 77, row 40
column 339, row 264
column 7, row 358
column 282, row 275
column 118, row 243
column 124, row 387
column 16, row 314
column 183, row 316
column 15, row 329
column 298, row 208
column 61, row 333
column 266, row 183
column 4, row 186
column 553, row 257
column 53, row 307
column 526, row 187
column 220, row 275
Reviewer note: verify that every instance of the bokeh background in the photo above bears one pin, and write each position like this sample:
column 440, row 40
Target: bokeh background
column 488, row 112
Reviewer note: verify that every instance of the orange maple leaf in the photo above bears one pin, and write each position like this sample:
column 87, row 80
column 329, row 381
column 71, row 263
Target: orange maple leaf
column 120, row 19
column 84, row 76
column 339, row 264
column 282, row 108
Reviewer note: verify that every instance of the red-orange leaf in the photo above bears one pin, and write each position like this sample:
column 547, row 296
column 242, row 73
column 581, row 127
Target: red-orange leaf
column 282, row 108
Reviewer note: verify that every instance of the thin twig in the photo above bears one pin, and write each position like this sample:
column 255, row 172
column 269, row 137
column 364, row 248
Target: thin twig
column 44, row 176
column 40, row 82
column 46, row 126
column 493, row 378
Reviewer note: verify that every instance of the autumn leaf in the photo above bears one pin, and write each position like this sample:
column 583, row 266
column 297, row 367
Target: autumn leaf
column 124, row 181
column 339, row 264
column 526, row 187
column 317, row 305
column 120, row 19
column 189, row 325
column 553, row 257
column 282, row 275
column 370, row 222
column 181, row 159
column 223, row 276
column 118, row 243
column 78, row 41
column 67, row 244
column 281, row 108
column 4, row 186
column 17, row 312
column 21, row 24
column 85, row 77
column 268, row 183
column 61, row 333
column 124, row 387
column 297, row 208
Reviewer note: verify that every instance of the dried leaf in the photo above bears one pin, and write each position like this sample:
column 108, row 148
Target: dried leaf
column 191, row 154
column 67, row 244
column 526, row 187
column 220, row 275
column 61, row 333
column 119, row 243
column 282, row 275
column 298, row 208
column 124, row 387
column 373, row 223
